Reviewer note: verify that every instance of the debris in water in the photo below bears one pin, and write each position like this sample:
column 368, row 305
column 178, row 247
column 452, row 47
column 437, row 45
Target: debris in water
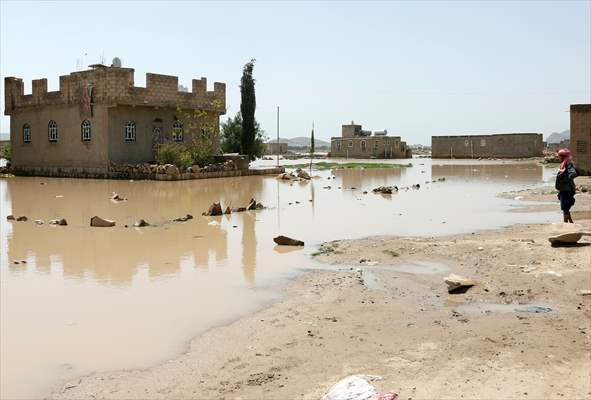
column 287, row 241
column 100, row 222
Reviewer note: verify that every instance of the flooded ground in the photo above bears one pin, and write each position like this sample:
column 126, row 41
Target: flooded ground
column 91, row 299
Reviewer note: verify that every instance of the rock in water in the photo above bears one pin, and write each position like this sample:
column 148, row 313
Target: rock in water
column 10, row 217
column 141, row 223
column 62, row 222
column 287, row 241
column 171, row 169
column 458, row 284
column 214, row 210
column 101, row 223
column 571, row 237
column 303, row 174
column 252, row 205
column 22, row 218
column 228, row 210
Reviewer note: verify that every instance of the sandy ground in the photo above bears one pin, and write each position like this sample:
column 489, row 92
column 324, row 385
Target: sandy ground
column 364, row 314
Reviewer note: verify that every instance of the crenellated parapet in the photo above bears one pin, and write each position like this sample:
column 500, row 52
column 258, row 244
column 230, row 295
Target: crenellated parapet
column 114, row 86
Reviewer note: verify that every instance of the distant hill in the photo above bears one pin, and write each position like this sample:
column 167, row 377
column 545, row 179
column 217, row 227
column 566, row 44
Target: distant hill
column 301, row 141
column 557, row 137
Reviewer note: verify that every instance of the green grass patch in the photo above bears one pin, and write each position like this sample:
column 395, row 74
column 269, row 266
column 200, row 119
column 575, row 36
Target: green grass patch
column 392, row 253
column 323, row 165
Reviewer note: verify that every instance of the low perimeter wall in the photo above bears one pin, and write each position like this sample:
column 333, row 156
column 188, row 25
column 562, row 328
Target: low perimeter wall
column 138, row 175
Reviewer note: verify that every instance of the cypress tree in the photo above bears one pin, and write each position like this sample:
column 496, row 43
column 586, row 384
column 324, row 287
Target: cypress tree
column 247, row 109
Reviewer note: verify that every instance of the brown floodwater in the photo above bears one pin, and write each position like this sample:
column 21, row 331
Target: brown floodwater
column 92, row 299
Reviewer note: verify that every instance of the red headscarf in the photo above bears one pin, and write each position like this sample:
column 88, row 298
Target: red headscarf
column 565, row 157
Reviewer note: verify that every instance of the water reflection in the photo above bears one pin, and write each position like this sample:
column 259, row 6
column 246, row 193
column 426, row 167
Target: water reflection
column 139, row 294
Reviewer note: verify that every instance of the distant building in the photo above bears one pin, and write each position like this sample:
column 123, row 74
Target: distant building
column 358, row 143
column 274, row 147
column 580, row 136
column 504, row 145
column 98, row 116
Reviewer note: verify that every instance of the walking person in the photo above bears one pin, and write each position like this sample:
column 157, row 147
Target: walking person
column 565, row 183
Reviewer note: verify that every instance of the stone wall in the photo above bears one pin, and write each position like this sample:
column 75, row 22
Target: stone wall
column 580, row 136
column 511, row 145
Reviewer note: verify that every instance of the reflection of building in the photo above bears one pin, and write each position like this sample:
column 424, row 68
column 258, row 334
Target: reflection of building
column 504, row 172
column 274, row 147
column 509, row 145
column 358, row 143
column 580, row 136
column 99, row 116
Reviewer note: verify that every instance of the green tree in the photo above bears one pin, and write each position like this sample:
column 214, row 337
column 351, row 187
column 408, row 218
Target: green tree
column 247, row 109
column 6, row 152
column 231, row 136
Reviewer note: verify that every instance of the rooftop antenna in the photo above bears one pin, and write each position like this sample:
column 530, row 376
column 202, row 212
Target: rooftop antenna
column 102, row 58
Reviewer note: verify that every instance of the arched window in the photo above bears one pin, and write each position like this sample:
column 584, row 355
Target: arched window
column 26, row 133
column 177, row 131
column 130, row 131
column 85, row 130
column 52, row 131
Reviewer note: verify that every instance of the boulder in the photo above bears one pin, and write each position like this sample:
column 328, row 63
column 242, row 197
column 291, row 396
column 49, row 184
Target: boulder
column 116, row 197
column 214, row 210
column 287, row 241
column 62, row 222
column 228, row 210
column 22, row 218
column 458, row 284
column 141, row 223
column 100, row 222
column 252, row 205
column 570, row 237
column 171, row 169
column 303, row 174
column 10, row 217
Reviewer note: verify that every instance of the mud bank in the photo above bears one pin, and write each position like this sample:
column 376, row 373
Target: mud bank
column 368, row 312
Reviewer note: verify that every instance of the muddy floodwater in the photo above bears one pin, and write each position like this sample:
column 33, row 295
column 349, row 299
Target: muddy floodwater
column 76, row 299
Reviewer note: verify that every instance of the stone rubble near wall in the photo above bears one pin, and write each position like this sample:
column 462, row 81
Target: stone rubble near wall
column 148, row 172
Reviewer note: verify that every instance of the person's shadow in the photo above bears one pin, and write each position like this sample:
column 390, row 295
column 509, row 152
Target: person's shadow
column 565, row 244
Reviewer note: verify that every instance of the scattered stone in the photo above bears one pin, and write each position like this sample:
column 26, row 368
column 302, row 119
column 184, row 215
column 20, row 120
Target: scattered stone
column 184, row 219
column 253, row 205
column 101, row 223
column 480, row 248
column 417, row 186
column 62, row 222
column 22, row 218
column 287, row 241
column 571, row 237
column 441, row 179
column 10, row 217
column 39, row 221
column 116, row 197
column 170, row 169
column 458, row 284
column 385, row 189
column 214, row 210
column 228, row 210
column 141, row 223
column 303, row 174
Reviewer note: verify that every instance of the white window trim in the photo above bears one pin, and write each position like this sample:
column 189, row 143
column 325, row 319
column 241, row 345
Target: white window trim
column 26, row 133
column 177, row 131
column 86, row 131
column 130, row 131
column 52, row 131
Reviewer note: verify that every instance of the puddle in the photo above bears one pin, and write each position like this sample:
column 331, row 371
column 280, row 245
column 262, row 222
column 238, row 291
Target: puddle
column 485, row 308
column 139, row 295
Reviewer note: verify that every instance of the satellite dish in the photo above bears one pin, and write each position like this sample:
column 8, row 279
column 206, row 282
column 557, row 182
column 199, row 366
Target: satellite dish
column 116, row 62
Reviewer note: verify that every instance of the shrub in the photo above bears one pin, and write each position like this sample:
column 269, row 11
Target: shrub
column 6, row 152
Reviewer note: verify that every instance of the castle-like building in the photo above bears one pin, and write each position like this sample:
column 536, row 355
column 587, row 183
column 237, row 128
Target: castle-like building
column 358, row 143
column 98, row 116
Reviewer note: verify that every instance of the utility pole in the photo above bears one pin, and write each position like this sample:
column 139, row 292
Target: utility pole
column 278, row 145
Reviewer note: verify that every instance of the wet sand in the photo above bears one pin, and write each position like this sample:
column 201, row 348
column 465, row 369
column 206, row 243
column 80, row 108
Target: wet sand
column 364, row 310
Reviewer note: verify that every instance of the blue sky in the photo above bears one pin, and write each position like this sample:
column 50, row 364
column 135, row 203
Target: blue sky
column 415, row 68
